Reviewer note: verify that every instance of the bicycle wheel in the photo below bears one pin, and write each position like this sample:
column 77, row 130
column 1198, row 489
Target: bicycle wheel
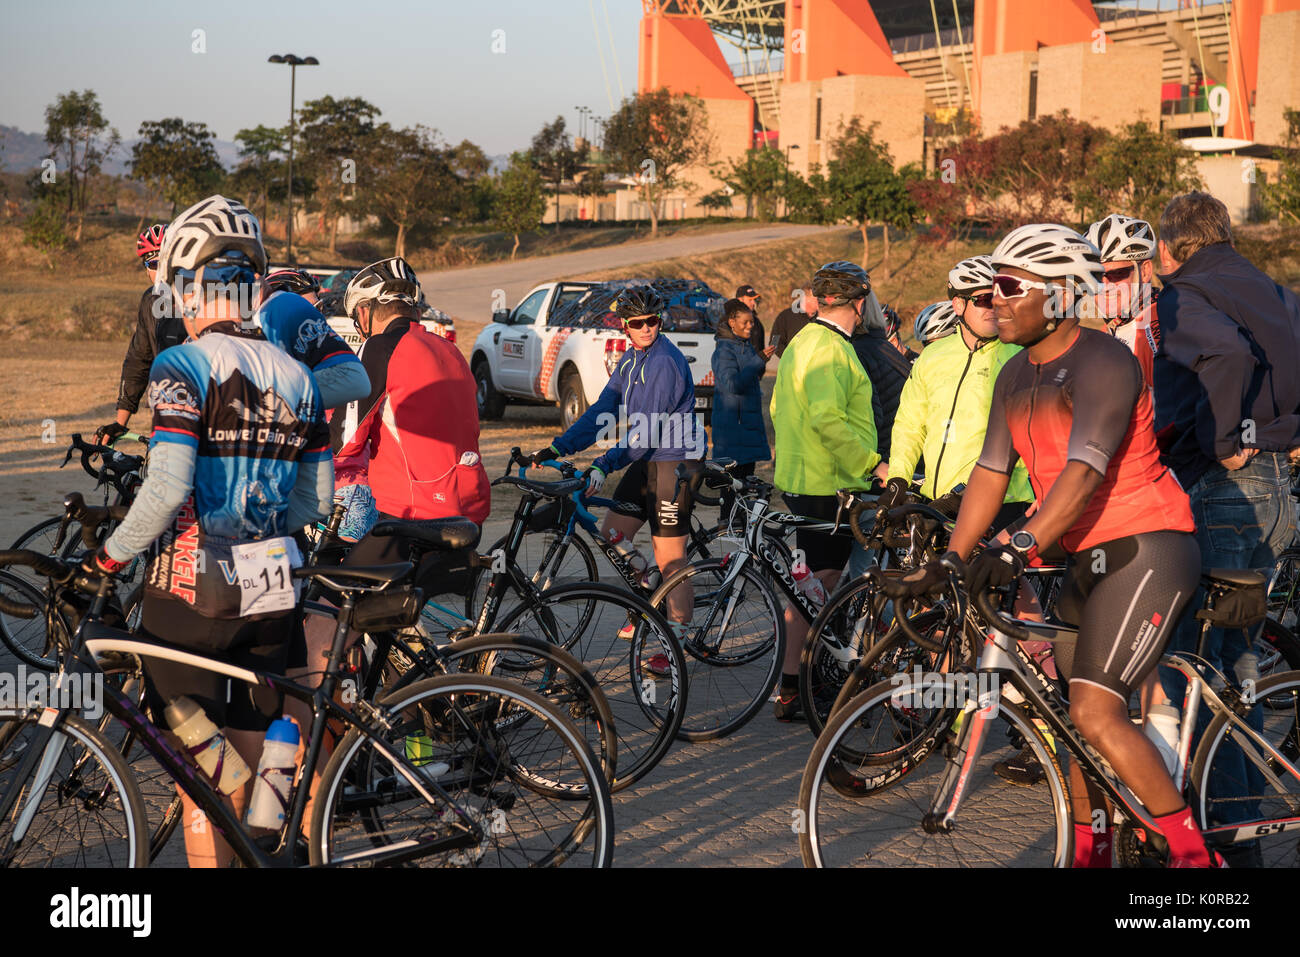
column 998, row 824
column 27, row 639
column 90, row 814
column 734, row 648
column 482, row 766
column 546, row 558
column 634, row 656
column 1232, row 792
column 1284, row 589
column 852, row 620
column 1279, row 651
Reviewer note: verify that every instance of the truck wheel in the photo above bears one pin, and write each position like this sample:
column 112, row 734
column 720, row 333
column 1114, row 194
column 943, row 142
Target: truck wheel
column 573, row 401
column 491, row 403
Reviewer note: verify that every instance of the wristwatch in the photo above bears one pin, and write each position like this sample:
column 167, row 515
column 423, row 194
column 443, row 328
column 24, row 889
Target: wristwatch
column 1025, row 543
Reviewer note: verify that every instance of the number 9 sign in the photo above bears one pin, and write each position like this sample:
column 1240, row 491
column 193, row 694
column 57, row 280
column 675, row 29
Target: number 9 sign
column 1220, row 101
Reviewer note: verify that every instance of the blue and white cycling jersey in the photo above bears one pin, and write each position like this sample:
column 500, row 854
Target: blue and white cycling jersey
column 297, row 327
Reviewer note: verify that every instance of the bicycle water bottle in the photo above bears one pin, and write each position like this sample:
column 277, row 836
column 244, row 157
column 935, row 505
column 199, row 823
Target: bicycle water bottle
column 629, row 552
column 1161, row 727
column 207, row 745
column 274, row 775
column 808, row 584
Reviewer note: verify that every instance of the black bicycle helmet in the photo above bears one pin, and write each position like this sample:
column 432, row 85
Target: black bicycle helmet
column 840, row 283
column 637, row 301
column 892, row 321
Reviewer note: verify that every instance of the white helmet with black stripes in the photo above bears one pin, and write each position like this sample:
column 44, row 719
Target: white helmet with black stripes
column 215, row 228
column 935, row 321
column 970, row 275
column 1051, row 251
column 1123, row 238
column 389, row 280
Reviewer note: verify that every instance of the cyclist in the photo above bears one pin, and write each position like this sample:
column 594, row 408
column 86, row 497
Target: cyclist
column 652, row 388
column 1126, row 300
column 825, row 439
column 297, row 281
column 739, row 432
column 291, row 322
column 790, row 321
column 934, row 322
column 239, row 460
column 1074, row 406
column 414, row 439
column 893, row 328
column 156, row 329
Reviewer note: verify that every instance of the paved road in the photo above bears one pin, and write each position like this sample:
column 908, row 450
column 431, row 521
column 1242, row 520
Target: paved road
column 467, row 293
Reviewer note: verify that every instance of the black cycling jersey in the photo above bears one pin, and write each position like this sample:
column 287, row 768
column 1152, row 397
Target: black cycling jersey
column 151, row 336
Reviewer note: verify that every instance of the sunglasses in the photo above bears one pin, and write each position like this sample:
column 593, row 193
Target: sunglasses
column 1013, row 287
column 1119, row 275
column 151, row 263
column 984, row 300
column 650, row 321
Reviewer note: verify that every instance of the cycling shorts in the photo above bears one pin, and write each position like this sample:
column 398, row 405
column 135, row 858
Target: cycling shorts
column 667, row 507
column 821, row 550
column 269, row 644
column 1126, row 596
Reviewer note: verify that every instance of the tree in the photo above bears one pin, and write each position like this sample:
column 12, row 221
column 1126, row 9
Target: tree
column 760, row 176
column 653, row 137
column 260, row 164
column 471, row 164
column 1137, row 172
column 44, row 229
column 333, row 138
column 556, row 158
column 1283, row 196
column 1043, row 166
column 718, row 199
column 413, row 183
column 809, row 200
column 519, row 202
column 80, row 139
column 864, row 187
column 176, row 160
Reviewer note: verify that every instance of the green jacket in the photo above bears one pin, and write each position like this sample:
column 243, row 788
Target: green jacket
column 949, row 381
column 821, row 412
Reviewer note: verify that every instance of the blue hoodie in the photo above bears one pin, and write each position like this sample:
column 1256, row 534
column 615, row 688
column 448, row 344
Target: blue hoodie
column 1227, row 370
column 653, row 390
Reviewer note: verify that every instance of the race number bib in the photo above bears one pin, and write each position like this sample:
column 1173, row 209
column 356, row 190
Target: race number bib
column 264, row 573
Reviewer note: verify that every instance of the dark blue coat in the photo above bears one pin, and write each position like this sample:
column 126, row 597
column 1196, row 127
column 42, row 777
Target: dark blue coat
column 738, row 428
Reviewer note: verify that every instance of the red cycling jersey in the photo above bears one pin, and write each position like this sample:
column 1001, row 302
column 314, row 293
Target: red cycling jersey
column 1089, row 405
column 1141, row 335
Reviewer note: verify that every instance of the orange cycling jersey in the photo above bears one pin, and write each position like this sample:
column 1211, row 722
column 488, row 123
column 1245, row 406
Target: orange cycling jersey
column 1141, row 335
column 1088, row 405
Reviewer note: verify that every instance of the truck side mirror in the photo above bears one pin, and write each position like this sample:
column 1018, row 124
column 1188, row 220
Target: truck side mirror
column 502, row 316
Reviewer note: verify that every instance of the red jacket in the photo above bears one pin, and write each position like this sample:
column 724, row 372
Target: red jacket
column 414, row 439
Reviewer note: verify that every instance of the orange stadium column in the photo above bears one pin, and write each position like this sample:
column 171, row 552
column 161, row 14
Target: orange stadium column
column 1244, row 68
column 679, row 52
column 826, row 38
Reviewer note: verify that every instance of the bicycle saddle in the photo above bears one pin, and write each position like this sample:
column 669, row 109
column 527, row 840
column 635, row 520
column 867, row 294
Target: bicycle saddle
column 443, row 534
column 1235, row 577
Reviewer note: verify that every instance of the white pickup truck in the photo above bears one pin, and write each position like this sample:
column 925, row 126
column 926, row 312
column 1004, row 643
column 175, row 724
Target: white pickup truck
column 561, row 343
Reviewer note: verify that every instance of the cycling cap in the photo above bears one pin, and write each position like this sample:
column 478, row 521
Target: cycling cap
column 389, row 280
column 970, row 275
column 637, row 301
column 1051, row 251
column 212, row 229
column 840, row 283
column 935, row 321
column 149, row 242
column 1123, row 237
column 290, row 280
column 892, row 322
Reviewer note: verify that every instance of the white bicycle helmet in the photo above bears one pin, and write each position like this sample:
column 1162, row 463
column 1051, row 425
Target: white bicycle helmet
column 389, row 280
column 1123, row 237
column 935, row 321
column 970, row 275
column 1051, row 251
column 210, row 230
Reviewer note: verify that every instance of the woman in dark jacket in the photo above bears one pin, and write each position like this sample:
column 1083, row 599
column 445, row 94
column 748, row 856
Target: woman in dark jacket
column 739, row 431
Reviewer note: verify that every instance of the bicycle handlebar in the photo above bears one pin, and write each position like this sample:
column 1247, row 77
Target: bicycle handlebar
column 44, row 565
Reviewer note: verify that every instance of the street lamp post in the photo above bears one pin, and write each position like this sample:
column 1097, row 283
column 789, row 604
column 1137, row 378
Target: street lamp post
column 294, row 62
column 785, row 185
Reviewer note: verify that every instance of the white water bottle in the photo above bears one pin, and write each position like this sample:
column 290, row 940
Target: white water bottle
column 207, row 745
column 1161, row 727
column 809, row 585
column 274, row 775
column 630, row 553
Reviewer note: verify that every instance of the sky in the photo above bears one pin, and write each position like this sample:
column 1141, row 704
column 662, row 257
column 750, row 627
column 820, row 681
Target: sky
column 491, row 71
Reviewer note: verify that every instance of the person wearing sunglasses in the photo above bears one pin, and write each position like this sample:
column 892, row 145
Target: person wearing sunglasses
column 652, row 390
column 1073, row 405
column 156, row 329
column 1126, row 300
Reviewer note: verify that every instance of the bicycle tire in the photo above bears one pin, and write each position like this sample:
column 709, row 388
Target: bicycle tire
column 474, row 768
column 884, row 826
column 648, row 708
column 1220, row 787
column 72, row 790
column 581, row 567
column 746, row 658
column 1280, row 652
column 27, row 639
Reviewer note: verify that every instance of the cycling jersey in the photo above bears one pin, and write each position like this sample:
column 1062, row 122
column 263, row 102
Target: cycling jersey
column 1141, row 335
column 153, row 333
column 943, row 412
column 652, row 389
column 414, row 438
column 1088, row 404
column 821, row 412
column 296, row 326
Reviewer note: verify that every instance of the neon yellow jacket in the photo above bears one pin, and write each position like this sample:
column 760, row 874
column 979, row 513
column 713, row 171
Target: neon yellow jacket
column 821, row 412
column 950, row 382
